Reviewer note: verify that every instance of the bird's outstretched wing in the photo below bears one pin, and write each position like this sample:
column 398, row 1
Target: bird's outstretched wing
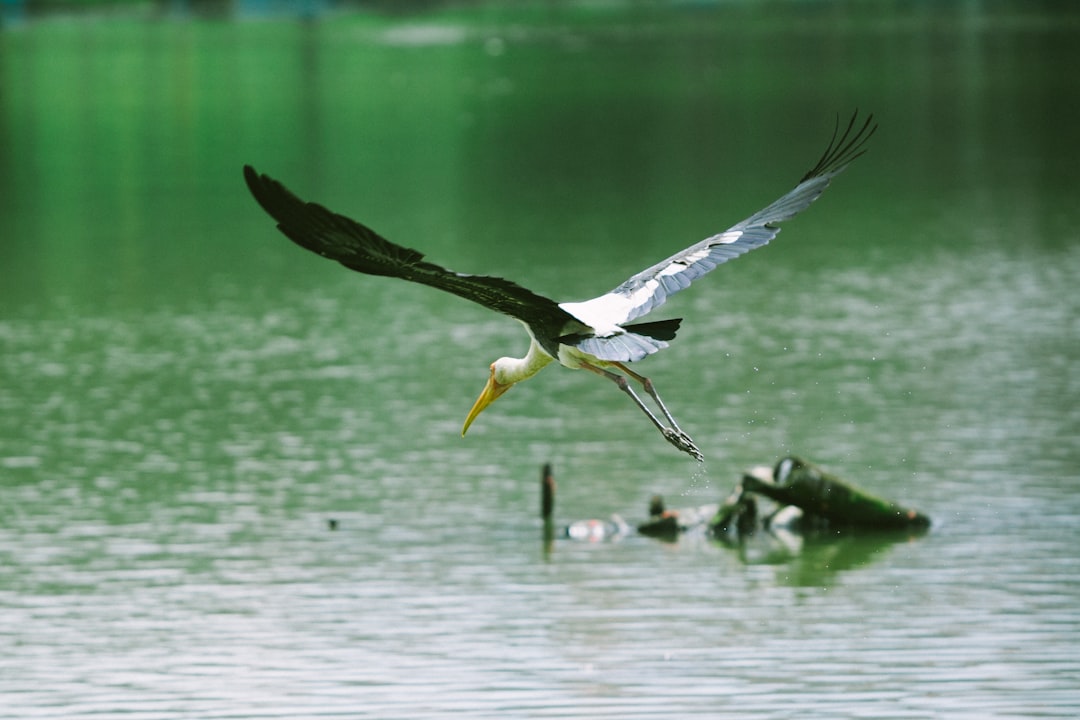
column 650, row 288
column 360, row 248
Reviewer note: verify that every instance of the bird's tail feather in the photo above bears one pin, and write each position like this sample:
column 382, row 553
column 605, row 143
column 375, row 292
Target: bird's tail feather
column 638, row 341
column 657, row 329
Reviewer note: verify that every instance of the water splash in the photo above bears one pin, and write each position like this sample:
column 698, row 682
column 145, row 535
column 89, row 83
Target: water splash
column 700, row 483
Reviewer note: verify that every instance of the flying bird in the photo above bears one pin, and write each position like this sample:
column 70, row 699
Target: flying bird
column 601, row 335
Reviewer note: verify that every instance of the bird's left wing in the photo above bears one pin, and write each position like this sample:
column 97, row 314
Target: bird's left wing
column 650, row 288
column 360, row 248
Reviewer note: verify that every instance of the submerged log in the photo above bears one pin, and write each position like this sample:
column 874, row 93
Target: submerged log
column 822, row 494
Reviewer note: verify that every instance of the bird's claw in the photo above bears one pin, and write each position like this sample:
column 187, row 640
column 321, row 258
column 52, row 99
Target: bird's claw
column 682, row 441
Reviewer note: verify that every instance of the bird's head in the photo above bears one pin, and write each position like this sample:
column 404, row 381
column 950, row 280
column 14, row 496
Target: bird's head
column 498, row 383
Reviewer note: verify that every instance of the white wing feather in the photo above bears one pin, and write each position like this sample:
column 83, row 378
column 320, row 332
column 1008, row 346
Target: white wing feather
column 649, row 289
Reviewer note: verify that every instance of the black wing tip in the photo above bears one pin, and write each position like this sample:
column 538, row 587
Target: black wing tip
column 843, row 148
column 326, row 233
column 267, row 191
column 253, row 179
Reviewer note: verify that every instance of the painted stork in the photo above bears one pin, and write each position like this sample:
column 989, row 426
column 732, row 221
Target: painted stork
column 598, row 335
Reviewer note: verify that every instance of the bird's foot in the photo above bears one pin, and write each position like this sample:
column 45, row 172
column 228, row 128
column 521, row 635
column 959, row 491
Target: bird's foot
column 682, row 441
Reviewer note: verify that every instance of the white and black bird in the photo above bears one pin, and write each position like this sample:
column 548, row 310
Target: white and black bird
column 599, row 335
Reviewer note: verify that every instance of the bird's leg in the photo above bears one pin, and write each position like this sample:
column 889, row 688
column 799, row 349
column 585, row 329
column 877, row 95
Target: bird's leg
column 651, row 389
column 680, row 439
column 672, row 434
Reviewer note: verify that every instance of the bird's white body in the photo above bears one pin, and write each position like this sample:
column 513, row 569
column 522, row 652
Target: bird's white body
column 604, row 314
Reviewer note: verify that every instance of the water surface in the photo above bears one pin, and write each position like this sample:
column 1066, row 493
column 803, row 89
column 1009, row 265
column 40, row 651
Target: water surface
column 186, row 399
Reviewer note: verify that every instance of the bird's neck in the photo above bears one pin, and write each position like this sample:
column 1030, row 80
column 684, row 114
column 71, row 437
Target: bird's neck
column 512, row 370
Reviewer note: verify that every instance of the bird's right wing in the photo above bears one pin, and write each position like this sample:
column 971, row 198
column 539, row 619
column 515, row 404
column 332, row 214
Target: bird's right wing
column 650, row 288
column 360, row 248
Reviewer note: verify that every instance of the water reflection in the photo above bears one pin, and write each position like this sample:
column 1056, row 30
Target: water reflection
column 815, row 559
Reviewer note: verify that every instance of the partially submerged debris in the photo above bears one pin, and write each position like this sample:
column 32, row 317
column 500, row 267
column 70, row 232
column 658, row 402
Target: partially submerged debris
column 590, row 530
column 738, row 515
column 667, row 524
column 822, row 495
column 808, row 499
column 596, row 530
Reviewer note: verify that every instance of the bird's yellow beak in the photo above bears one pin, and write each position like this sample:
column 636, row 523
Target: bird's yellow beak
column 491, row 393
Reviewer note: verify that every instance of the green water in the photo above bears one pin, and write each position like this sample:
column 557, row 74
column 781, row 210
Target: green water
column 186, row 398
